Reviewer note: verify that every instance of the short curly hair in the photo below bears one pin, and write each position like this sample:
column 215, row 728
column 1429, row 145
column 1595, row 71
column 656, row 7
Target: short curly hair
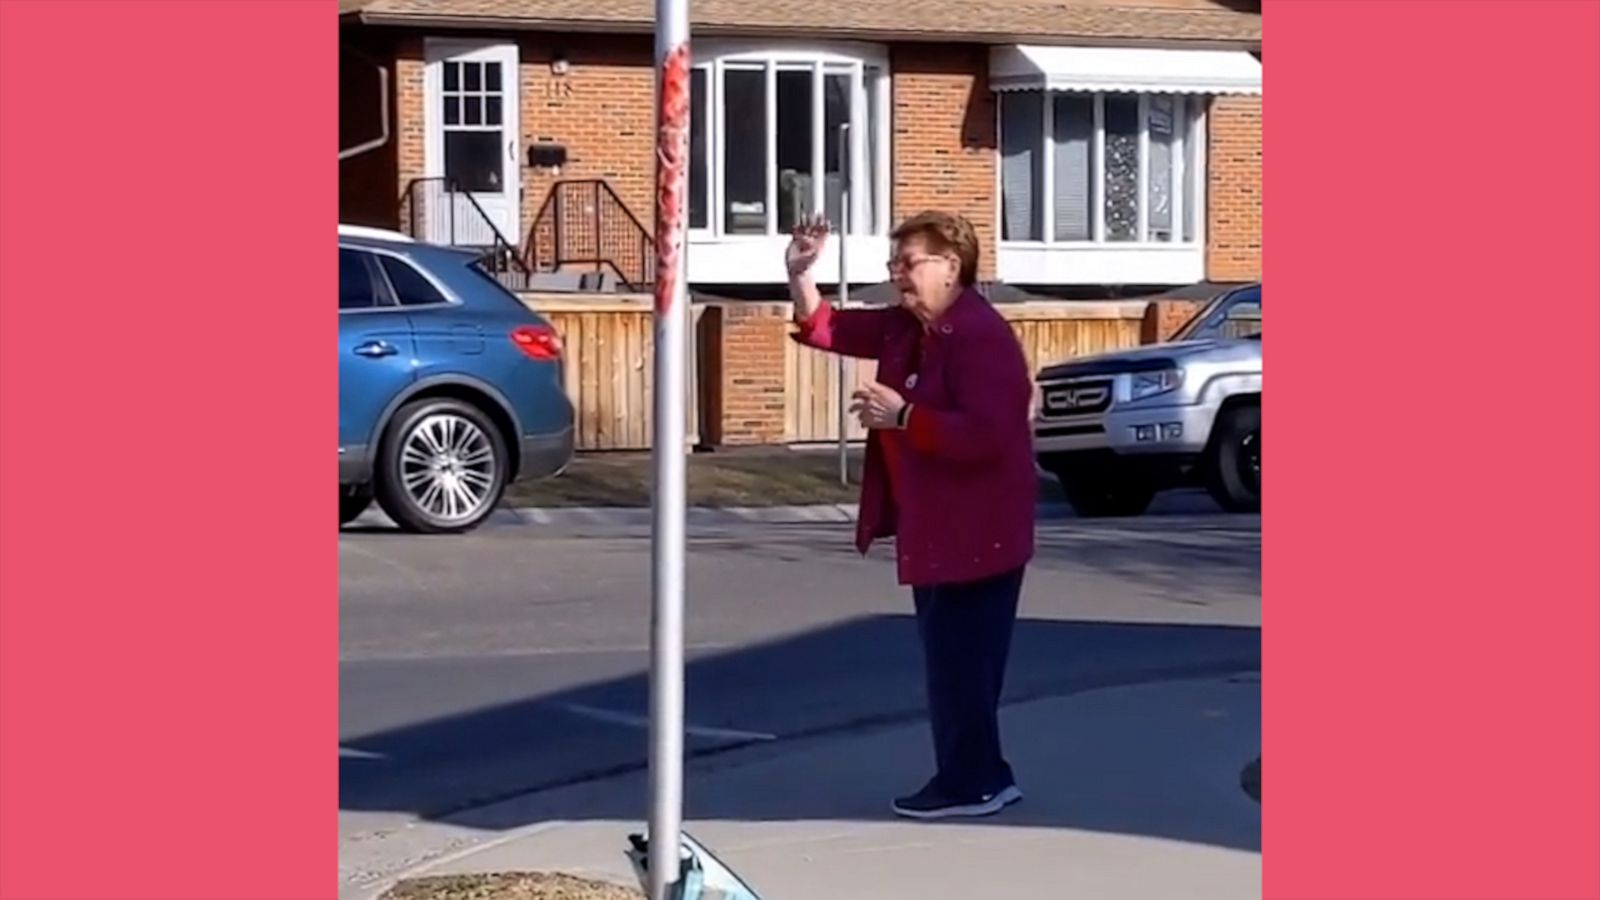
column 944, row 232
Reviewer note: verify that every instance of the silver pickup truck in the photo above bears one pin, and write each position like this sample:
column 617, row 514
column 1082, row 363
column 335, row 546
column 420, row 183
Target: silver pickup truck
column 1116, row 428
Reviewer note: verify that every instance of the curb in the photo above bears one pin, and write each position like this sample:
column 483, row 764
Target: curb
column 698, row 516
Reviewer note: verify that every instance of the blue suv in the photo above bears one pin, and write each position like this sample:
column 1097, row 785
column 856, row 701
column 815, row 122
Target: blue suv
column 449, row 386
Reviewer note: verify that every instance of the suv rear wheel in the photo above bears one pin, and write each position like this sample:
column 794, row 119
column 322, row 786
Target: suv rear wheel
column 1233, row 475
column 1100, row 492
column 442, row 467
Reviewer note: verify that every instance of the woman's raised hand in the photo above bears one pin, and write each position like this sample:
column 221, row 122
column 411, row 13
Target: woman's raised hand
column 810, row 235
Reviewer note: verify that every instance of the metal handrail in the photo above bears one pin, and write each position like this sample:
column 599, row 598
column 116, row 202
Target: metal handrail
column 606, row 213
column 499, row 248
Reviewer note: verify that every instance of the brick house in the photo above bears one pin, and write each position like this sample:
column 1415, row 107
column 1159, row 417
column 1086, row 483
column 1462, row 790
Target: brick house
column 1102, row 147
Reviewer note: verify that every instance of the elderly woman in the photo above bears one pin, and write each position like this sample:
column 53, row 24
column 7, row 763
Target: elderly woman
column 949, row 474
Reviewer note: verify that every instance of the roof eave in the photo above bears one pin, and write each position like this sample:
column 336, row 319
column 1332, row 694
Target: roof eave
column 590, row 26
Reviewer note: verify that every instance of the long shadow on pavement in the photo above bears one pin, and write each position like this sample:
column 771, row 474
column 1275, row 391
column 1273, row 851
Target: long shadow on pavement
column 846, row 676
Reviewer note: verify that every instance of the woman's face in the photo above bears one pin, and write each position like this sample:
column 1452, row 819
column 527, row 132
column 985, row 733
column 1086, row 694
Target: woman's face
column 926, row 281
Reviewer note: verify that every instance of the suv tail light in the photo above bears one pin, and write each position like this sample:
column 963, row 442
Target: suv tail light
column 539, row 342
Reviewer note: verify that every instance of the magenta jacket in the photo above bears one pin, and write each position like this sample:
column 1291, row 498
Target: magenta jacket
column 957, row 488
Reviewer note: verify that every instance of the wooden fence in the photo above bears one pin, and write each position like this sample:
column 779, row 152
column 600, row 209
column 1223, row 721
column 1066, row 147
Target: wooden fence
column 609, row 365
column 811, row 402
column 609, row 369
column 1049, row 332
column 1053, row 332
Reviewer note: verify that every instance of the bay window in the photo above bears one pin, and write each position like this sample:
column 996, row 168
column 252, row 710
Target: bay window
column 765, row 149
column 1099, row 168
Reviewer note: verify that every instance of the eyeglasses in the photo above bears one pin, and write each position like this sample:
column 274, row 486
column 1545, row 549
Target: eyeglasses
column 906, row 264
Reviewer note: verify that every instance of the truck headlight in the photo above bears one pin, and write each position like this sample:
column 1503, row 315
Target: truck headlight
column 1152, row 384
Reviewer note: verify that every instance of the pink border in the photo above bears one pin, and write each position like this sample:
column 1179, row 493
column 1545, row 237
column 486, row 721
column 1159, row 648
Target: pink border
column 1432, row 607
column 169, row 629
column 168, row 621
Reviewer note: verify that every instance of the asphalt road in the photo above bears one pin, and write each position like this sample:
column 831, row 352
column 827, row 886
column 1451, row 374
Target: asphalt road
column 485, row 666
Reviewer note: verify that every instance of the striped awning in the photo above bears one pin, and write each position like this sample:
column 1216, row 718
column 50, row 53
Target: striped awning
column 1023, row 67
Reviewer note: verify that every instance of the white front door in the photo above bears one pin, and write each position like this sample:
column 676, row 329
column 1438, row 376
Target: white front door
column 473, row 145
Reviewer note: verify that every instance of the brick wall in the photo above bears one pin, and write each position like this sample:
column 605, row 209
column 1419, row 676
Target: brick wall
column 602, row 111
column 1163, row 317
column 944, row 142
column 1233, row 189
column 410, row 132
column 744, row 347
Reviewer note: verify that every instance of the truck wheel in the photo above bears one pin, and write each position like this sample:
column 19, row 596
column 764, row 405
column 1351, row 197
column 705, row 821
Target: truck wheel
column 1100, row 493
column 1233, row 476
column 353, row 501
column 442, row 467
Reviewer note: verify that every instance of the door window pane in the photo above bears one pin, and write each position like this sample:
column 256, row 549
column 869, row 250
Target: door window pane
column 473, row 113
column 1073, row 124
column 1161, row 124
column 410, row 287
column 472, row 160
column 1122, row 167
column 744, row 151
column 835, row 113
column 1021, row 165
column 355, row 281
column 698, row 127
column 795, row 130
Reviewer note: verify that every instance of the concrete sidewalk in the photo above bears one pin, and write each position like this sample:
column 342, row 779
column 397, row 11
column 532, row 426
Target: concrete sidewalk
column 1131, row 793
column 1183, row 502
column 695, row 516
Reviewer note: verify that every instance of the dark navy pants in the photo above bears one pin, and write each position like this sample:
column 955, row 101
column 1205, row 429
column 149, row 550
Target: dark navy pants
column 966, row 640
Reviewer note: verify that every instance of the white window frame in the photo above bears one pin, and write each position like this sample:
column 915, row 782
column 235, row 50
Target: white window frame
column 718, row 257
column 1191, row 165
column 1098, row 260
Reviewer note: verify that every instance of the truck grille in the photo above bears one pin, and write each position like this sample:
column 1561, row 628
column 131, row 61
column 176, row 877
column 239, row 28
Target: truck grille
column 1075, row 398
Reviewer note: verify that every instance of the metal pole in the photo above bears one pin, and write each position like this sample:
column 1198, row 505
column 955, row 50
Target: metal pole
column 668, row 448
column 844, row 297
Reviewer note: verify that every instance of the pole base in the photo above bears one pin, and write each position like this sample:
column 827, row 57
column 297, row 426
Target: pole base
column 703, row 877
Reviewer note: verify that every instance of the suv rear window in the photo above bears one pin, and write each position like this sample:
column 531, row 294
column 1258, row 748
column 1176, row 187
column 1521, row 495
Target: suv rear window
column 411, row 287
